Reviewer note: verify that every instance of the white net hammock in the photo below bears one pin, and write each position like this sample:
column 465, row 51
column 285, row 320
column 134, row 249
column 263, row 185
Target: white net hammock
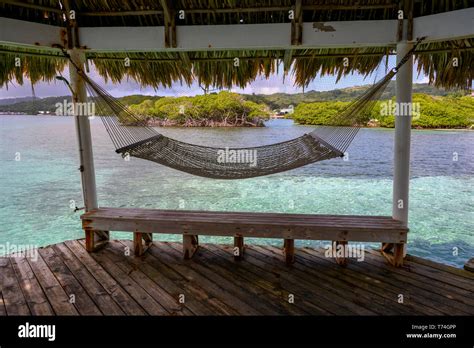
column 147, row 143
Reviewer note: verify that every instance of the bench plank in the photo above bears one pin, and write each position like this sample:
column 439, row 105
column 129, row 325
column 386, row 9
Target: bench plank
column 233, row 217
column 260, row 225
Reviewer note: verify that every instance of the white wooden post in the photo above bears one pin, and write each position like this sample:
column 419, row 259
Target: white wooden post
column 401, row 167
column 401, row 174
column 83, row 133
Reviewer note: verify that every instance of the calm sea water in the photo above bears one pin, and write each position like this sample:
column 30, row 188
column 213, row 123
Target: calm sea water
column 35, row 191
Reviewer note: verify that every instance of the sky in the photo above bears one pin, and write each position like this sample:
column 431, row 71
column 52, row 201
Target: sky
column 274, row 84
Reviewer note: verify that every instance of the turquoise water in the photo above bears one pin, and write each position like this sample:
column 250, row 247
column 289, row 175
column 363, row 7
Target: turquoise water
column 35, row 192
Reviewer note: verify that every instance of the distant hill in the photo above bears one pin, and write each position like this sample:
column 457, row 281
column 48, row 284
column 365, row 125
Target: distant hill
column 32, row 107
column 274, row 101
column 283, row 100
column 9, row 101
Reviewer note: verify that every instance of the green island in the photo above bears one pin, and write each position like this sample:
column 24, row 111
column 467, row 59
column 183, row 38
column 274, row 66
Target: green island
column 429, row 112
column 224, row 109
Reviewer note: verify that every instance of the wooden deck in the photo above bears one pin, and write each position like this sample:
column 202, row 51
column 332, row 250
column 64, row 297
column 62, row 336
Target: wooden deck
column 66, row 280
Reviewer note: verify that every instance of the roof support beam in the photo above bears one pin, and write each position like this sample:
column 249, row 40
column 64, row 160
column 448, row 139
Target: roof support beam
column 204, row 10
column 238, row 9
column 14, row 31
column 444, row 26
column 32, row 6
column 242, row 36
column 297, row 24
column 170, row 23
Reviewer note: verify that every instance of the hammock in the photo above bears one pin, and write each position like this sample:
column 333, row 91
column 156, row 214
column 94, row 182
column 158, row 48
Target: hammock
column 145, row 142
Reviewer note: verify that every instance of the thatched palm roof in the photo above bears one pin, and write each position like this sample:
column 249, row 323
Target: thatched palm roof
column 201, row 12
column 215, row 68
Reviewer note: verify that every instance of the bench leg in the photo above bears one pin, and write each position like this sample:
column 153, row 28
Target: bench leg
column 394, row 253
column 341, row 260
column 190, row 245
column 238, row 248
column 138, row 246
column 96, row 240
column 289, row 251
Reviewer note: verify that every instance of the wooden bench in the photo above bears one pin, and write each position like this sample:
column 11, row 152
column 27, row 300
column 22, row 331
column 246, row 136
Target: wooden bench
column 337, row 228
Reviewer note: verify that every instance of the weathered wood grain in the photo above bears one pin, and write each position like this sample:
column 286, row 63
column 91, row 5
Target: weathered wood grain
column 94, row 288
column 13, row 298
column 120, row 296
column 263, row 225
column 113, row 281
column 34, row 295
column 78, row 297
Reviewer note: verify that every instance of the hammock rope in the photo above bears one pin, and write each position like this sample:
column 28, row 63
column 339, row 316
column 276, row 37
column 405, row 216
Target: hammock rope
column 142, row 141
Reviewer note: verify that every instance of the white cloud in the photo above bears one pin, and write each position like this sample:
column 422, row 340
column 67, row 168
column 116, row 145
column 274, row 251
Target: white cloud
column 422, row 79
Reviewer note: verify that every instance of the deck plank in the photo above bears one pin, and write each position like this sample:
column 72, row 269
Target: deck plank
column 300, row 292
column 13, row 298
column 34, row 295
column 142, row 297
column 363, row 282
column 79, row 297
column 441, row 267
column 56, row 294
column 214, row 283
column 103, row 300
column 205, row 259
column 196, row 298
column 343, row 282
column 272, row 275
column 222, row 262
column 421, row 295
column 440, row 286
column 121, row 297
column 327, row 296
column 433, row 273
column 158, row 293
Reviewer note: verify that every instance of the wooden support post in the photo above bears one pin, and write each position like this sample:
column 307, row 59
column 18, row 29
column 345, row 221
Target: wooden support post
column 190, row 245
column 238, row 248
column 289, row 251
column 469, row 265
column 399, row 254
column 400, row 21
column 409, row 10
column 401, row 171
column 90, row 235
column 387, row 247
column 84, row 140
column 86, row 157
column 96, row 240
column 341, row 260
column 170, row 23
column 141, row 242
column 297, row 24
column 394, row 253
